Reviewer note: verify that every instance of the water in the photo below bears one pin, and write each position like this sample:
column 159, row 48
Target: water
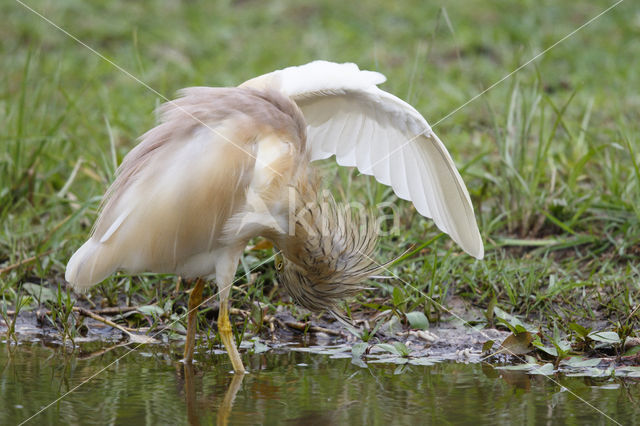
column 150, row 387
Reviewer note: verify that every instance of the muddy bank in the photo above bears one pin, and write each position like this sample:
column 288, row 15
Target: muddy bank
column 372, row 337
column 280, row 331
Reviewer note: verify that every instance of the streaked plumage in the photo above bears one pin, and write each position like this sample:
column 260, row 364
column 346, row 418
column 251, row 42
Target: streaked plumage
column 228, row 164
column 330, row 253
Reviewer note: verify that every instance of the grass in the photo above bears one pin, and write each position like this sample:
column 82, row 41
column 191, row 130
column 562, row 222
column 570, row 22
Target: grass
column 550, row 156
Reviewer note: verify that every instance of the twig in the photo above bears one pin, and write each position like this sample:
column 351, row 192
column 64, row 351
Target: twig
column 163, row 327
column 92, row 315
column 313, row 328
column 114, row 310
column 130, row 332
column 23, row 262
column 135, row 338
column 633, row 312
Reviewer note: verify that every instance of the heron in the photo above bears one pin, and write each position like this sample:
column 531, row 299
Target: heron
column 226, row 165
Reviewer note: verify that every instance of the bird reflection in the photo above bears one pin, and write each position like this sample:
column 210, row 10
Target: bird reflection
column 225, row 407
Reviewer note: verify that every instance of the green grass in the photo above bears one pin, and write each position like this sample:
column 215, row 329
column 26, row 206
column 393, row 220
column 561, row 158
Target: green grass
column 550, row 156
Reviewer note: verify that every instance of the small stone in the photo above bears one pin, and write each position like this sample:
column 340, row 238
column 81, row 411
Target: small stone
column 425, row 335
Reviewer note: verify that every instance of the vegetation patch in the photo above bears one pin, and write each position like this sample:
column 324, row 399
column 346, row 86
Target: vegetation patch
column 551, row 158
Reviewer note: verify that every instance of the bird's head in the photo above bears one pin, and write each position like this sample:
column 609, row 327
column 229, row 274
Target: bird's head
column 308, row 289
column 328, row 257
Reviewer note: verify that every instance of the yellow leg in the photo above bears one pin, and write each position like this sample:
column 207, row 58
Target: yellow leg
column 224, row 328
column 195, row 298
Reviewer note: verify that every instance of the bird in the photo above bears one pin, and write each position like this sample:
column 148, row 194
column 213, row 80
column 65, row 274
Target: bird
column 228, row 164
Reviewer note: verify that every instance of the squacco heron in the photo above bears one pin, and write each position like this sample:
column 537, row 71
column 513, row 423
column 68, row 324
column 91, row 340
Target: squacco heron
column 226, row 165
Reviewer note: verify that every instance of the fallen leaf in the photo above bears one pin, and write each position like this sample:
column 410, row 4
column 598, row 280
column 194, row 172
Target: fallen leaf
column 518, row 344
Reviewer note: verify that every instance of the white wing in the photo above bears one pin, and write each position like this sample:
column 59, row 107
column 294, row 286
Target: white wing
column 366, row 127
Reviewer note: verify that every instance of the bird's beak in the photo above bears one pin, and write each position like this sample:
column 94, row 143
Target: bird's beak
column 279, row 261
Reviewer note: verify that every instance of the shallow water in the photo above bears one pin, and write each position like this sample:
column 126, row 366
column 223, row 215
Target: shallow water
column 149, row 387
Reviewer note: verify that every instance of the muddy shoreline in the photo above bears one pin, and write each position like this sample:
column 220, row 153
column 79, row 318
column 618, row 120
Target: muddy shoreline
column 445, row 340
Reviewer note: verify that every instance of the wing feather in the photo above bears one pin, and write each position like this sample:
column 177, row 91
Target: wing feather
column 399, row 180
column 366, row 127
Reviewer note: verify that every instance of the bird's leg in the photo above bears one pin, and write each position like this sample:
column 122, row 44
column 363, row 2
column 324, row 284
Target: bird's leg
column 195, row 299
column 226, row 335
column 226, row 265
column 177, row 289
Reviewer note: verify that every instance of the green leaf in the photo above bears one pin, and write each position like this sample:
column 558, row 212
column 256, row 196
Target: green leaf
column 549, row 350
column 518, row 367
column 40, row 293
column 359, row 362
column 388, row 348
column 402, row 348
column 605, row 337
column 520, row 329
column 177, row 327
column 589, row 372
column 634, row 350
column 513, row 323
column 257, row 314
column 392, row 326
column 421, row 361
column 358, row 349
column 399, row 370
column 580, row 330
column 153, row 310
column 562, row 346
column 507, row 324
column 418, row 320
column 168, row 305
column 390, row 360
column 489, row 313
column 486, row 346
column 397, row 297
column 579, row 362
column 545, row 370
column 630, row 368
column 259, row 347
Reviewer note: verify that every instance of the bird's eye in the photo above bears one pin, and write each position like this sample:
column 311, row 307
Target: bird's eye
column 279, row 262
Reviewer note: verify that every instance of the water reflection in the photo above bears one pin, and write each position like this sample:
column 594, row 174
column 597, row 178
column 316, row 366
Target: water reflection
column 227, row 403
column 151, row 386
column 196, row 407
column 190, row 394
